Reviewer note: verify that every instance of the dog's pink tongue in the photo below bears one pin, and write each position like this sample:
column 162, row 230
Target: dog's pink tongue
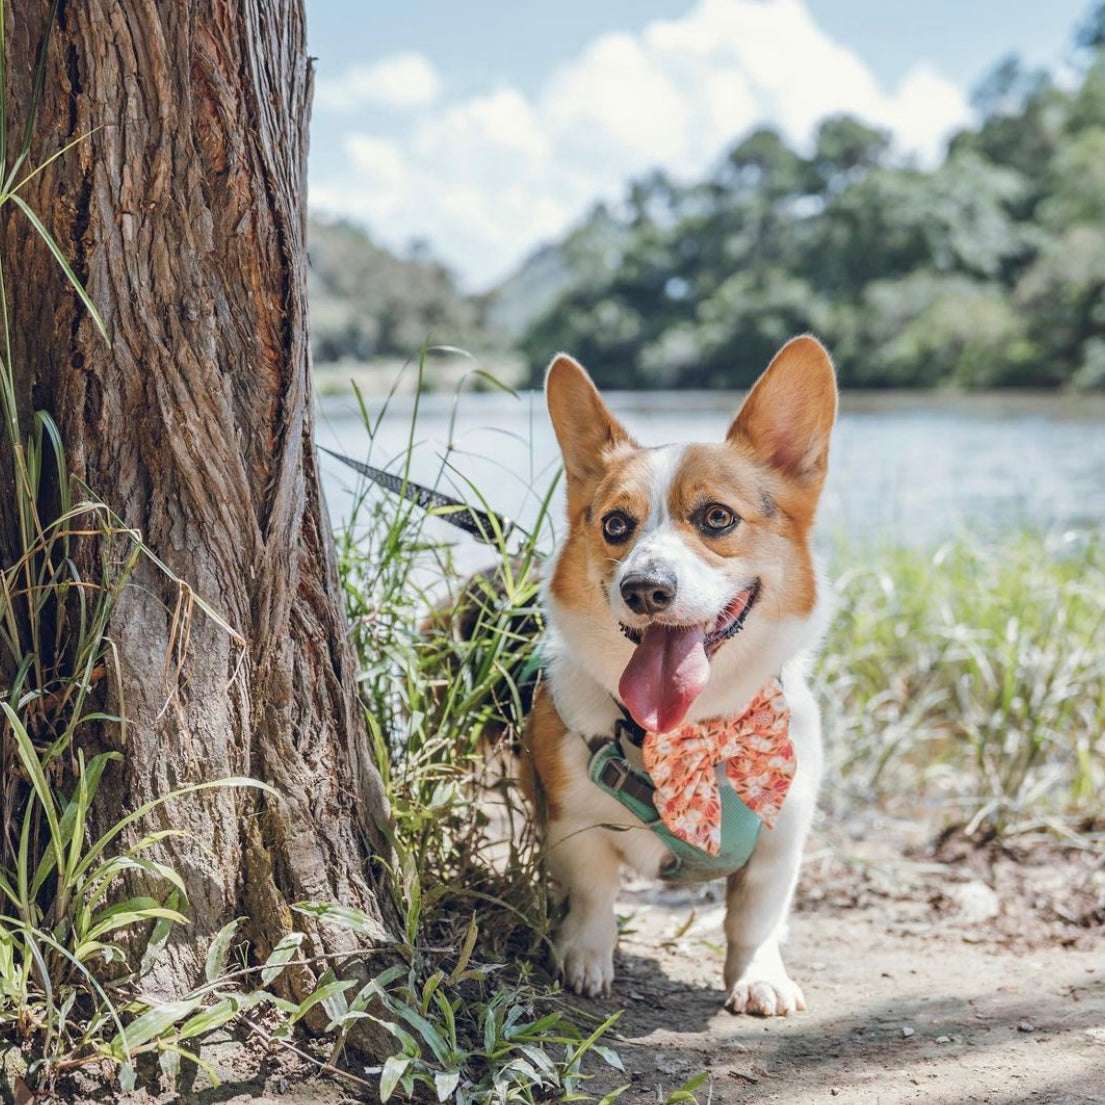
column 665, row 675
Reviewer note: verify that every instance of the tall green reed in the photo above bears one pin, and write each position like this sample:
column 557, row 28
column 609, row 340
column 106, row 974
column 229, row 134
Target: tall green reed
column 970, row 681
column 445, row 667
column 446, row 662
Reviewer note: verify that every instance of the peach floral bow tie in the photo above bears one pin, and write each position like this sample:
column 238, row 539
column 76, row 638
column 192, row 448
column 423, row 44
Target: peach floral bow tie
column 759, row 764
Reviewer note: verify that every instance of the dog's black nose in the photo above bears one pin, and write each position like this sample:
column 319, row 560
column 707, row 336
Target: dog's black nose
column 648, row 592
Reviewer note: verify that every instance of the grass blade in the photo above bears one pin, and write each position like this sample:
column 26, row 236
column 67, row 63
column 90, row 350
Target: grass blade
column 62, row 262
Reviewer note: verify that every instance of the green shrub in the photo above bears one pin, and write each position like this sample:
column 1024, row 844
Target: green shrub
column 971, row 680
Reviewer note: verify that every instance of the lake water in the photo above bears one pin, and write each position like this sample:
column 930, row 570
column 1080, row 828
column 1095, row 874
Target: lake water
column 907, row 468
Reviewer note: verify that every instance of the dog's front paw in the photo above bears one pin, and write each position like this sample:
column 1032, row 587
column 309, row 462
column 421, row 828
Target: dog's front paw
column 584, row 950
column 777, row 997
column 588, row 970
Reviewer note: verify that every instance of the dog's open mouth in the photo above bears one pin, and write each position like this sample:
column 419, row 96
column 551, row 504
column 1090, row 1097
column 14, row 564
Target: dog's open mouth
column 671, row 664
column 729, row 623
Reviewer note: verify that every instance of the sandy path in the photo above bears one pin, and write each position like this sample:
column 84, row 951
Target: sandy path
column 894, row 1016
column 980, row 980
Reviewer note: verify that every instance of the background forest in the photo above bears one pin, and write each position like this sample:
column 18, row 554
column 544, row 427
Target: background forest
column 987, row 271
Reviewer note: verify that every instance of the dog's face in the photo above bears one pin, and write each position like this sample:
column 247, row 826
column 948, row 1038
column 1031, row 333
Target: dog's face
column 681, row 548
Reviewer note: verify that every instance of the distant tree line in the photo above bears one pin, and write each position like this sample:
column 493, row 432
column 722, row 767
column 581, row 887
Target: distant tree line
column 988, row 271
column 366, row 302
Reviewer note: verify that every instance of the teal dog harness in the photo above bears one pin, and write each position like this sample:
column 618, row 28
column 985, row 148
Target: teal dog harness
column 712, row 788
column 611, row 772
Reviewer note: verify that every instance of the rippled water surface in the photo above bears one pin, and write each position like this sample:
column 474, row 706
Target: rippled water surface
column 911, row 468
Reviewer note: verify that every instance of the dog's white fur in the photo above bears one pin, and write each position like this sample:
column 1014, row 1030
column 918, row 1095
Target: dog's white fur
column 585, row 656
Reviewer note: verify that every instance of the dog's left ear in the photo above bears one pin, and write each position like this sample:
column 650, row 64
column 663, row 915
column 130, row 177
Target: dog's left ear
column 789, row 413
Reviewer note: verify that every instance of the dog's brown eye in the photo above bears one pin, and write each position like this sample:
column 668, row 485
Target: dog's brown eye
column 718, row 519
column 616, row 527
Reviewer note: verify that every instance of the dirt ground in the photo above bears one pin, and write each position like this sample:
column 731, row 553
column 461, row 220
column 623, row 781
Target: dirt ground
column 976, row 980
column 947, row 975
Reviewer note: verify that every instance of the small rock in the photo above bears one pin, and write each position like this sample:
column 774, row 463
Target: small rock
column 670, row 1064
column 13, row 1065
column 906, row 1031
column 976, row 901
column 943, row 1039
column 1097, row 1034
column 1026, row 1026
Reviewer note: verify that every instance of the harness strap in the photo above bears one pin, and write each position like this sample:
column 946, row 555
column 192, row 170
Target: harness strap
column 612, row 773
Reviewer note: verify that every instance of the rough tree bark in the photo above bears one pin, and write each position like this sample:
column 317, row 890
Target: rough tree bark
column 183, row 211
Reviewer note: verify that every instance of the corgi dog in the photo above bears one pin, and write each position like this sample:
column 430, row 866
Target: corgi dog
column 685, row 585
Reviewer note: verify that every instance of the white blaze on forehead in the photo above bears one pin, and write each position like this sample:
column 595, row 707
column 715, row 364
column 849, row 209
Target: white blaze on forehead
column 703, row 590
column 663, row 466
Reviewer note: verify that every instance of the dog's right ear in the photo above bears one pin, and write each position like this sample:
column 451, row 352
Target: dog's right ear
column 586, row 430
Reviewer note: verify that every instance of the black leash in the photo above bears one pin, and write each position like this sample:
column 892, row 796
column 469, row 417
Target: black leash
column 491, row 529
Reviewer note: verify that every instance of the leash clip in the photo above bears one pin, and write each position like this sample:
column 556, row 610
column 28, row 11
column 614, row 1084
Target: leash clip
column 626, row 727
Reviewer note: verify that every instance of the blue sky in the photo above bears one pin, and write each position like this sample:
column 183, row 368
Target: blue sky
column 489, row 126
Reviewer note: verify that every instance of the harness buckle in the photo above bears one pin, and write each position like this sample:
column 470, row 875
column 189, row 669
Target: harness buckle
column 615, row 772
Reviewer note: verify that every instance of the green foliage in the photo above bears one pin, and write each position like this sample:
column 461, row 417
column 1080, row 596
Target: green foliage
column 972, row 679
column 865, row 251
column 928, row 322
column 846, row 150
column 1062, row 297
column 66, row 981
column 463, row 1035
column 446, row 682
column 445, row 686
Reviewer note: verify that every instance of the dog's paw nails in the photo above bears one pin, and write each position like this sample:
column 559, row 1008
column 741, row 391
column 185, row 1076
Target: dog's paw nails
column 588, row 971
column 766, row 999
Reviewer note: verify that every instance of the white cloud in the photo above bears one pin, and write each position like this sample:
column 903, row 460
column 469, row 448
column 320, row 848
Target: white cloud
column 488, row 177
column 499, row 123
column 381, row 172
column 617, row 99
column 923, row 97
column 401, row 82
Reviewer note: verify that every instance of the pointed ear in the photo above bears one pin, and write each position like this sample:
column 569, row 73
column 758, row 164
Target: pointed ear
column 584, row 427
column 789, row 413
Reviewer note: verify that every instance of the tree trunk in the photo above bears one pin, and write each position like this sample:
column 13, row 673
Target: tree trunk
column 182, row 209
